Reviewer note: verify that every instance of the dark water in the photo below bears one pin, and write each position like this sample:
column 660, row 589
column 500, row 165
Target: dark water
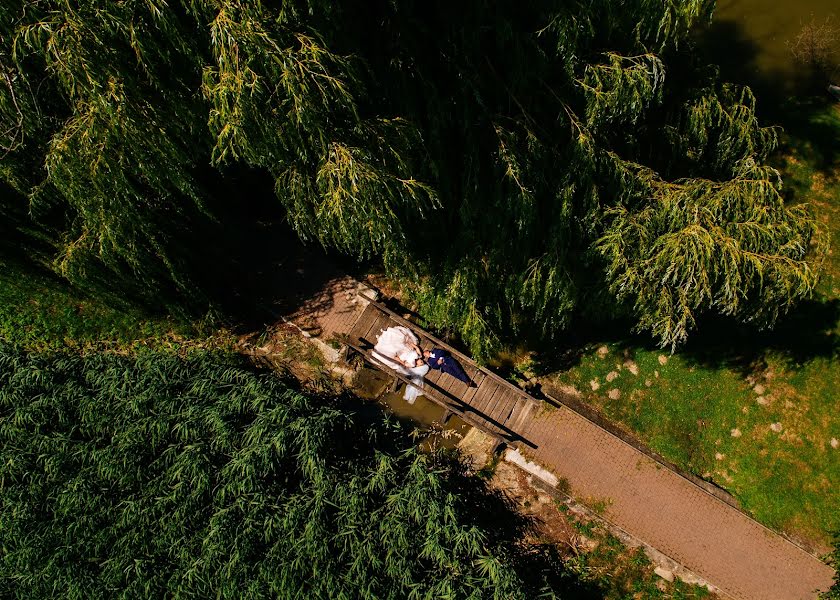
column 424, row 414
column 427, row 415
column 752, row 39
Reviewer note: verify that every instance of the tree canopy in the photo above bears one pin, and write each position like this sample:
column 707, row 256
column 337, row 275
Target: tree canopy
column 512, row 165
column 154, row 476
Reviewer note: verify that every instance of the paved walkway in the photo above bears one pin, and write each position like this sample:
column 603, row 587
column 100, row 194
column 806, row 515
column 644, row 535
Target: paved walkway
column 673, row 515
column 643, row 497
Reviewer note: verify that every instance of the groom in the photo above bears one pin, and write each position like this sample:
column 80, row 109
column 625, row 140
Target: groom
column 442, row 360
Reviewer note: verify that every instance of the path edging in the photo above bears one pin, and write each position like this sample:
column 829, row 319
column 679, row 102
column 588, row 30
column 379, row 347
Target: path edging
column 686, row 476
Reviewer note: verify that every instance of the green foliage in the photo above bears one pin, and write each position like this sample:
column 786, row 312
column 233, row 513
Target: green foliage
column 620, row 92
column 573, row 201
column 281, row 100
column 700, row 243
column 41, row 311
column 154, row 476
column 511, row 166
column 623, row 572
column 120, row 139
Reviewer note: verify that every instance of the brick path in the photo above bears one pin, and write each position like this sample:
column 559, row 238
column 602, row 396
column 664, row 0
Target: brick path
column 644, row 498
column 332, row 311
column 666, row 511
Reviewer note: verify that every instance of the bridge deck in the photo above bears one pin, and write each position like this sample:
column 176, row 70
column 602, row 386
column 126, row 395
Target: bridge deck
column 643, row 496
column 494, row 405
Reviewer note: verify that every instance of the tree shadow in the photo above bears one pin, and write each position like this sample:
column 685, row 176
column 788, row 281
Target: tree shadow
column 238, row 260
column 807, row 333
column 250, row 264
column 567, row 349
column 811, row 132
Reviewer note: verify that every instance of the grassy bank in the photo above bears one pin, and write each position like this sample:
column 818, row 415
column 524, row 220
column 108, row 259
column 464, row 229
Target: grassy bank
column 39, row 312
column 754, row 412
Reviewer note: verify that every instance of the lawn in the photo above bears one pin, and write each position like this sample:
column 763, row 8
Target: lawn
column 755, row 413
column 40, row 311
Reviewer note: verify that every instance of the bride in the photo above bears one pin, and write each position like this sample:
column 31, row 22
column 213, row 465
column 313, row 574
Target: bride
column 398, row 348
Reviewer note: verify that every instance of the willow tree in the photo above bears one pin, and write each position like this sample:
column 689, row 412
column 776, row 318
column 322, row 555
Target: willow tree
column 586, row 183
column 113, row 126
column 511, row 165
column 281, row 100
column 156, row 476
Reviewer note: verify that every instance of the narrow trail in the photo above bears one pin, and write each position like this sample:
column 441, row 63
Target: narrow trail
column 635, row 492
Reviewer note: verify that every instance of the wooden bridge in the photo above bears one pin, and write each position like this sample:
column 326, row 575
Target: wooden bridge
column 495, row 406
column 646, row 496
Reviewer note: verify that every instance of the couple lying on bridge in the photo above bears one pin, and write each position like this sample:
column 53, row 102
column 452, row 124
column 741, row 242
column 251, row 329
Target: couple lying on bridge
column 399, row 348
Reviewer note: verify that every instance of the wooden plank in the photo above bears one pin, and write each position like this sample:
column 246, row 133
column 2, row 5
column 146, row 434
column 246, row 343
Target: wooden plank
column 375, row 328
column 440, row 343
column 485, row 402
column 483, row 395
column 363, row 323
column 433, row 376
column 504, row 407
column 471, row 392
column 453, row 386
column 516, row 411
column 500, row 402
column 527, row 412
column 528, row 420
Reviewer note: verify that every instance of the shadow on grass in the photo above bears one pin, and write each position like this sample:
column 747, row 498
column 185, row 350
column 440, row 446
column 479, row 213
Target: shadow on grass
column 807, row 333
column 244, row 266
column 810, row 331
column 250, row 264
column 812, row 131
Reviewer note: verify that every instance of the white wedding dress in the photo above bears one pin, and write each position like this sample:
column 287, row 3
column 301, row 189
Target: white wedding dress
column 395, row 348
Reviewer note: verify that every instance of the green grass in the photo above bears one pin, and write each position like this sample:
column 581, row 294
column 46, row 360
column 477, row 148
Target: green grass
column 40, row 312
column 700, row 409
column 623, row 572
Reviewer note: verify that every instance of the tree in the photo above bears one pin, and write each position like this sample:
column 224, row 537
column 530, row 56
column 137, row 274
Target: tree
column 813, row 47
column 594, row 187
column 511, row 166
column 113, row 127
column 153, row 476
column 834, row 592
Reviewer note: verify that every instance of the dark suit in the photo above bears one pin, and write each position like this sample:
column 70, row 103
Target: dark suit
column 447, row 364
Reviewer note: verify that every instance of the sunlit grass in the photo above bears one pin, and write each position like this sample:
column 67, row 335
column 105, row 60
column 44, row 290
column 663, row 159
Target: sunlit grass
column 771, row 445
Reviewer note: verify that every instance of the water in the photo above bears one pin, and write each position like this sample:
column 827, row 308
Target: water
column 751, row 40
column 425, row 414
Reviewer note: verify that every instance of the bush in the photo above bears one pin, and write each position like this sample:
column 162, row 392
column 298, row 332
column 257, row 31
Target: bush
column 153, row 476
